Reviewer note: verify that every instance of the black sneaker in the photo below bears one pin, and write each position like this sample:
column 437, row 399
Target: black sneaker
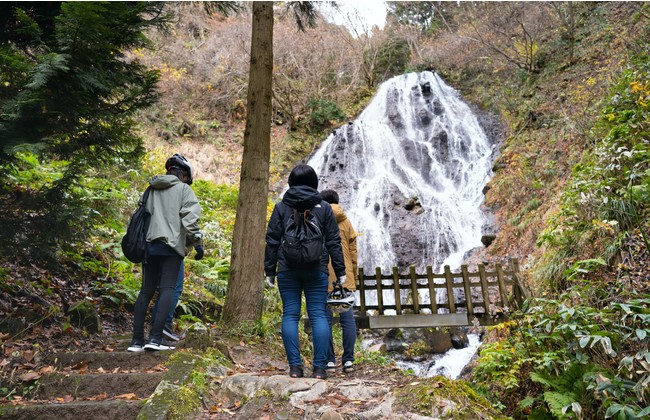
column 319, row 373
column 158, row 345
column 136, row 346
column 295, row 371
column 331, row 367
column 348, row 367
column 169, row 335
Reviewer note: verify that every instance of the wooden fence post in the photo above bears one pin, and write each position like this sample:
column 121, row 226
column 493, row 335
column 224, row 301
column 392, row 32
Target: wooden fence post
column 432, row 290
column 414, row 290
column 484, row 288
column 362, row 292
column 380, row 294
column 398, row 297
column 521, row 289
column 468, row 290
column 450, row 290
column 502, row 286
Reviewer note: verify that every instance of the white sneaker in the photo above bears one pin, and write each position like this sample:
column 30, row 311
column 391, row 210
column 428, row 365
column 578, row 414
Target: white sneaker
column 331, row 367
column 158, row 345
column 169, row 335
column 348, row 366
column 136, row 346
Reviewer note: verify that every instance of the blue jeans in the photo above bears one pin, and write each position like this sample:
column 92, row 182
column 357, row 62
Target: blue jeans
column 313, row 283
column 349, row 330
column 175, row 297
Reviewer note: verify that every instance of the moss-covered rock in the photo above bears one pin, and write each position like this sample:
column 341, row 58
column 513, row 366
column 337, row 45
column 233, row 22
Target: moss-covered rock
column 443, row 398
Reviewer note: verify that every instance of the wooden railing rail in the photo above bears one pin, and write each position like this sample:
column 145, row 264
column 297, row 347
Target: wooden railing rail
column 485, row 292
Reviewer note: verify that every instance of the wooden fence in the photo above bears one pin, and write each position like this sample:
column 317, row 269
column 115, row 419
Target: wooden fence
column 485, row 297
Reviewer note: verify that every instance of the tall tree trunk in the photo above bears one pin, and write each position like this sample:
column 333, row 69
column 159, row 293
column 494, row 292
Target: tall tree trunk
column 245, row 284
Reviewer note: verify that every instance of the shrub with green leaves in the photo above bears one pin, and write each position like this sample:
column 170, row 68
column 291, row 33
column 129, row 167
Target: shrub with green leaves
column 589, row 362
column 323, row 113
column 610, row 193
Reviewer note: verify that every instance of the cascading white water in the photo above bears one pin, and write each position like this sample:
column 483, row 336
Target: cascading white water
column 410, row 172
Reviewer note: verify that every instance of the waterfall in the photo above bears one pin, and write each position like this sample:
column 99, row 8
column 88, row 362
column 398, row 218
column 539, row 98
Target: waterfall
column 410, row 173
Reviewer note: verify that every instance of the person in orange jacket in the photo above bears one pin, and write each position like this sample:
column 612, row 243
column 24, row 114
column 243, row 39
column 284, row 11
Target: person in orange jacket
column 346, row 319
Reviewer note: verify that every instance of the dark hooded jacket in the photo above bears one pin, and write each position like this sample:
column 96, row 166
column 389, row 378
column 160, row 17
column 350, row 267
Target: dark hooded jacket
column 303, row 198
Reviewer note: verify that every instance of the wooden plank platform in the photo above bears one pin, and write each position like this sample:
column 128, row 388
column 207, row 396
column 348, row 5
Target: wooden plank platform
column 418, row 320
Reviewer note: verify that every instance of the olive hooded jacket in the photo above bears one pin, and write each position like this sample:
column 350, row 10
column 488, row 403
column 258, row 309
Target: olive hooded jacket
column 175, row 213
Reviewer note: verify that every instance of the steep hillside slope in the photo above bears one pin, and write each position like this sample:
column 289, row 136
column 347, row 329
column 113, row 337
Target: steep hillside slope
column 550, row 111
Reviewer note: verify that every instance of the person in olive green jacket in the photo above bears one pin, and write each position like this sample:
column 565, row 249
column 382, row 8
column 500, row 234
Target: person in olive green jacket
column 175, row 214
column 348, row 324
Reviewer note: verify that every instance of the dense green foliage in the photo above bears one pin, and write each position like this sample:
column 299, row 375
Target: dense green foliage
column 69, row 95
column 587, row 362
column 324, row 113
column 68, row 90
column 393, row 58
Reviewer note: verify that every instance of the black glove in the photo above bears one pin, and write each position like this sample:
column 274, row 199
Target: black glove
column 270, row 281
column 339, row 282
column 199, row 252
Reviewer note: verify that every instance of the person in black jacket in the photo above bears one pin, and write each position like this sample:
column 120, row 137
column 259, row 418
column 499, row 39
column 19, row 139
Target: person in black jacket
column 312, row 280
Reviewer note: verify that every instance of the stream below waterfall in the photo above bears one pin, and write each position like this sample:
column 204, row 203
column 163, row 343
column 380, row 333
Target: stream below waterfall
column 410, row 172
column 449, row 364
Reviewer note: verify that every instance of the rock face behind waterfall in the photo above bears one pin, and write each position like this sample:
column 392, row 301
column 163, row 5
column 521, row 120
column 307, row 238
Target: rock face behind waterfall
column 410, row 172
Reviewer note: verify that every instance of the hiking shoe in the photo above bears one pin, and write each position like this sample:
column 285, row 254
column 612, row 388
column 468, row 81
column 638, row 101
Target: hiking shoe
column 295, row 371
column 331, row 367
column 169, row 335
column 158, row 345
column 348, row 366
column 136, row 346
column 319, row 373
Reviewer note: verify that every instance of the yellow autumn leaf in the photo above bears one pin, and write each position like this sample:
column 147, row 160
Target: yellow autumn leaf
column 129, row 396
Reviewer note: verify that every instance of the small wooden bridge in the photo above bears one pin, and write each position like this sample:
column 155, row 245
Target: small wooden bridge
column 406, row 300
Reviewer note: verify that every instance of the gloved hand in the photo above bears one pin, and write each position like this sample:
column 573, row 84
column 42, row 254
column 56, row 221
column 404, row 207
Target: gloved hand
column 270, row 281
column 199, row 252
column 339, row 281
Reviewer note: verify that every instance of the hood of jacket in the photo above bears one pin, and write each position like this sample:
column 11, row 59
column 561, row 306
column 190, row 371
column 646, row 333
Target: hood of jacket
column 301, row 197
column 338, row 213
column 162, row 182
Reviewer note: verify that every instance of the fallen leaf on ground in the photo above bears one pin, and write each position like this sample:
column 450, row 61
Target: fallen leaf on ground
column 81, row 367
column 100, row 397
column 46, row 369
column 129, row 396
column 29, row 376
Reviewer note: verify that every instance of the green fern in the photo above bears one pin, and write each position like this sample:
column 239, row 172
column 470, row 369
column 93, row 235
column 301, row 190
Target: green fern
column 559, row 403
column 568, row 392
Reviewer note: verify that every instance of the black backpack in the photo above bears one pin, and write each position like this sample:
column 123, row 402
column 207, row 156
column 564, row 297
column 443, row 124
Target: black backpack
column 302, row 240
column 134, row 241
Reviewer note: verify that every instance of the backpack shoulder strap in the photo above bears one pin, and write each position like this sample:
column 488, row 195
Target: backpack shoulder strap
column 298, row 217
column 145, row 196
